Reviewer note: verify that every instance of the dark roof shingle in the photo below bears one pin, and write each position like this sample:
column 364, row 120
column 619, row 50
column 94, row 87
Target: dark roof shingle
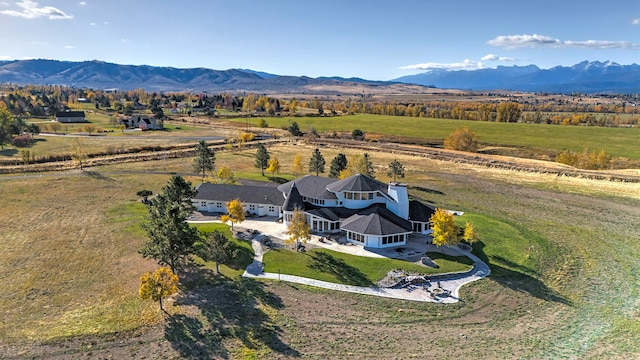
column 246, row 193
column 376, row 220
column 358, row 182
column 419, row 211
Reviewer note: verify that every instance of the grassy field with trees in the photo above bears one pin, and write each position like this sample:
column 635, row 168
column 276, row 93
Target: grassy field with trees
column 563, row 254
column 619, row 142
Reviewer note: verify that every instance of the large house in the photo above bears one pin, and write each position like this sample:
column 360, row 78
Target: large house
column 367, row 211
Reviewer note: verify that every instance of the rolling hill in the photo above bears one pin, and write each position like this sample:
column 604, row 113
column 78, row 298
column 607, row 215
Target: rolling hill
column 103, row 75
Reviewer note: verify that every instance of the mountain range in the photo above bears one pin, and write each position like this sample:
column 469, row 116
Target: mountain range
column 102, row 75
column 585, row 77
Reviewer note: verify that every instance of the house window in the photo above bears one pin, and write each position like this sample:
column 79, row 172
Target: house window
column 219, row 205
column 252, row 207
column 348, row 195
column 356, row 196
column 272, row 208
column 203, row 203
column 370, row 196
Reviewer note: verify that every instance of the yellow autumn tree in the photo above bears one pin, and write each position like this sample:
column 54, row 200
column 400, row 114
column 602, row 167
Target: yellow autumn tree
column 273, row 167
column 158, row 285
column 462, row 139
column 225, row 175
column 297, row 168
column 445, row 231
column 298, row 230
column 470, row 233
column 235, row 210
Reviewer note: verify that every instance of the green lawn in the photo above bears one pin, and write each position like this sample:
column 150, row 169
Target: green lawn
column 242, row 260
column 618, row 142
column 349, row 269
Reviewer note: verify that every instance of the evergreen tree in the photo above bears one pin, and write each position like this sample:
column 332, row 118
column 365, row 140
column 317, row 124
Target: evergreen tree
column 316, row 163
column 219, row 249
column 294, row 129
column 205, row 158
column 368, row 166
column 338, row 164
column 171, row 238
column 262, row 158
column 396, row 169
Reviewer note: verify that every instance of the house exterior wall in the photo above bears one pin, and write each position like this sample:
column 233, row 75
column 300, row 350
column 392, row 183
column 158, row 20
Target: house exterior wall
column 421, row 227
column 354, row 200
column 250, row 208
column 68, row 119
column 400, row 205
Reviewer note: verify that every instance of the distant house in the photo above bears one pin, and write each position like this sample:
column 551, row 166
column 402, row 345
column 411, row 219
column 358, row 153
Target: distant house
column 366, row 211
column 70, row 117
column 143, row 122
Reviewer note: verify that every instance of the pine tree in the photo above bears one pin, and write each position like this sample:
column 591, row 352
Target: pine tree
column 396, row 169
column 338, row 164
column 171, row 239
column 316, row 163
column 219, row 249
column 205, row 158
column 262, row 158
column 368, row 166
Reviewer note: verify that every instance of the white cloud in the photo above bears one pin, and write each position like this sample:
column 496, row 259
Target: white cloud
column 464, row 65
column 636, row 21
column 92, row 24
column 32, row 10
column 535, row 40
column 5, row 57
column 106, row 23
column 82, row 3
column 494, row 57
column 69, row 47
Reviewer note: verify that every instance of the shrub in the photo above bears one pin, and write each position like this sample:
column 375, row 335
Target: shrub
column 589, row 160
column 357, row 134
column 22, row 140
column 462, row 139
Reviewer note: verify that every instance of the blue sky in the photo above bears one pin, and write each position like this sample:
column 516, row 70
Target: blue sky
column 378, row 40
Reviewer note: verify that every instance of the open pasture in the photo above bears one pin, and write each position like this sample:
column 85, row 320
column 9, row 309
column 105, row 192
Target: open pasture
column 563, row 254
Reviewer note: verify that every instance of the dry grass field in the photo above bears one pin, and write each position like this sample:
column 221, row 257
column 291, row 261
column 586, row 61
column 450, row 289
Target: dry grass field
column 563, row 251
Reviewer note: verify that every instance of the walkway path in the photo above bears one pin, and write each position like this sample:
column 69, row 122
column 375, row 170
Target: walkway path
column 449, row 283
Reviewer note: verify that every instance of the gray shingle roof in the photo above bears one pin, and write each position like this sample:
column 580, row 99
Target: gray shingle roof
column 246, row 193
column 70, row 114
column 376, row 220
column 294, row 200
column 311, row 186
column 358, row 182
column 419, row 211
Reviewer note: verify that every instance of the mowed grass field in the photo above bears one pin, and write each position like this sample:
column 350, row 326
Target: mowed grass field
column 618, row 142
column 563, row 254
